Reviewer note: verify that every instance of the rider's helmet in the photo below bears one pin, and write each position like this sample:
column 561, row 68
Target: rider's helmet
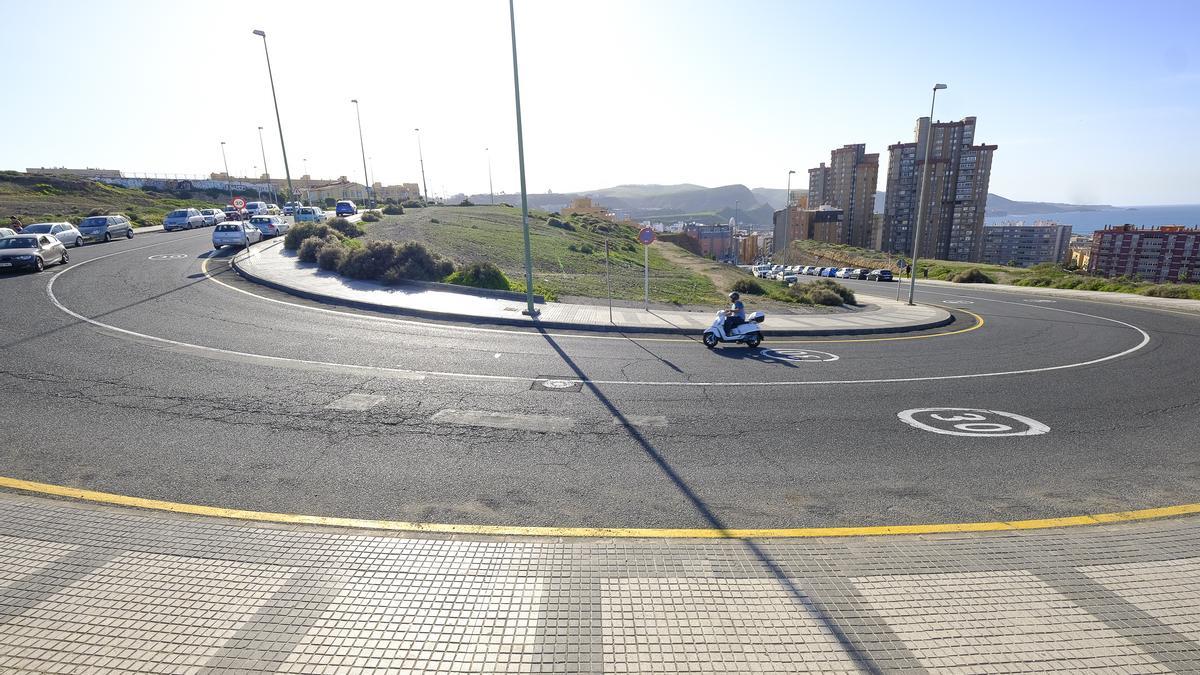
column 733, row 297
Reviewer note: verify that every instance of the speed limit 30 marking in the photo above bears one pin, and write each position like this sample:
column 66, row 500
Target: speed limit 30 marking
column 168, row 256
column 972, row 422
column 809, row 355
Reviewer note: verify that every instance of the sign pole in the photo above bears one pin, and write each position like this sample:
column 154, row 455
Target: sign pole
column 646, row 268
column 608, row 280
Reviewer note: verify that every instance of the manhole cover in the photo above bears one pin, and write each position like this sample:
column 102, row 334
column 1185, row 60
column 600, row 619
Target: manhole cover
column 555, row 383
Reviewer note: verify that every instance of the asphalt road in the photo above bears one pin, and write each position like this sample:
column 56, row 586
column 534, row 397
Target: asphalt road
column 130, row 370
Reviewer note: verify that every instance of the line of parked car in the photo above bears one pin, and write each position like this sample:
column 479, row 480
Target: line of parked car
column 791, row 273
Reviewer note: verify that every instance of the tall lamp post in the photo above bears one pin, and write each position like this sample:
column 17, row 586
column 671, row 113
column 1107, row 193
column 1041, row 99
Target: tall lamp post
column 491, row 192
column 267, row 171
column 529, row 310
column 278, row 120
column 228, row 178
column 787, row 212
column 421, row 156
column 733, row 232
column 912, row 274
column 361, row 146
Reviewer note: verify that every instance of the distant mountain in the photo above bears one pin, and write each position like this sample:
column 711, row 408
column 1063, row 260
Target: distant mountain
column 1002, row 206
column 775, row 196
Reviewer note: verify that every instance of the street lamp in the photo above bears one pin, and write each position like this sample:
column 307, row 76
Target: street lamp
column 228, row 178
column 733, row 232
column 421, row 156
column 529, row 310
column 366, row 177
column 491, row 193
column 278, row 120
column 787, row 212
column 912, row 274
column 266, row 170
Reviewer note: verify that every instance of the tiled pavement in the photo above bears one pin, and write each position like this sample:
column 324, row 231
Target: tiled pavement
column 99, row 589
column 270, row 264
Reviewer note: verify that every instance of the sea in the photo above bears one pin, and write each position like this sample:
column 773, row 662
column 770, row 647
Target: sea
column 1086, row 222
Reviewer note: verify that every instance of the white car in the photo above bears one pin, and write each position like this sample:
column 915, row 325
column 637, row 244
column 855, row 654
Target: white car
column 235, row 233
column 183, row 219
column 7, row 232
column 213, row 216
column 270, row 226
column 310, row 214
column 258, row 209
column 64, row 232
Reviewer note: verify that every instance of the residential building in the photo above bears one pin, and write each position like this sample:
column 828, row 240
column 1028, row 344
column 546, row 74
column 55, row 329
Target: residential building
column 849, row 184
column 751, row 246
column 821, row 224
column 1025, row 245
column 715, row 240
column 585, row 206
column 955, row 194
column 1158, row 254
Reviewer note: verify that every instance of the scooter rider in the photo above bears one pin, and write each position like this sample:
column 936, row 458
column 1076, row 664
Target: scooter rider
column 736, row 314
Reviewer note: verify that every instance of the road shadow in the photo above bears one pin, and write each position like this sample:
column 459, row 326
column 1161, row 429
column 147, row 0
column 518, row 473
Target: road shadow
column 740, row 353
column 861, row 659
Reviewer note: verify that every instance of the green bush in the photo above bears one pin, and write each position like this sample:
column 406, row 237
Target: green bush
column 331, row 256
column 412, row 204
column 587, row 249
column 466, row 202
column 480, row 275
column 302, row 231
column 972, row 276
column 434, row 221
column 309, row 249
column 393, row 263
column 1166, row 291
column 750, row 286
column 393, row 210
column 844, row 293
column 371, row 217
column 824, row 296
column 330, row 202
column 820, row 292
column 561, row 224
column 346, row 227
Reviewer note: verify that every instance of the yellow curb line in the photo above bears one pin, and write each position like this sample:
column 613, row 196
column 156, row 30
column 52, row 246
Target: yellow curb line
column 623, row 532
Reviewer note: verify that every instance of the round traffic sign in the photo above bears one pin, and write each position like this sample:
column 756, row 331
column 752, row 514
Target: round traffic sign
column 239, row 203
column 646, row 236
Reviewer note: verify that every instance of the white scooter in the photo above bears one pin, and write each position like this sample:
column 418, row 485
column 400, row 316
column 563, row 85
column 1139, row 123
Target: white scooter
column 747, row 332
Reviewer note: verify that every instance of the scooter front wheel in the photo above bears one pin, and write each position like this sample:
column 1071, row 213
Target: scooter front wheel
column 710, row 340
column 753, row 341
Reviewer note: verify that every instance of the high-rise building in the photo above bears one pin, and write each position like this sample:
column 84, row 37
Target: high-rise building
column 1166, row 253
column 823, row 224
column 1025, row 245
column 955, row 195
column 849, row 184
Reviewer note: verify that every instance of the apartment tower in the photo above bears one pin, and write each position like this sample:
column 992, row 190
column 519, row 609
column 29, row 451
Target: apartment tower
column 848, row 184
column 955, row 195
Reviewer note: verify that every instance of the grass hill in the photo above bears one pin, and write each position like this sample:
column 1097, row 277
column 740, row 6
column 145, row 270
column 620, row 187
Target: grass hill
column 568, row 260
column 57, row 198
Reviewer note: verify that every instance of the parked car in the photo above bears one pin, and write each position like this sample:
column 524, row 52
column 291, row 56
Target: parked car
column 183, row 219
column 831, row 272
column 64, row 232
column 806, row 270
column 861, row 273
column 7, row 232
column 789, row 279
column 310, row 214
column 213, row 216
column 234, row 213
column 818, row 271
column 105, row 228
column 274, row 210
column 270, row 226
column 235, row 234
column 345, row 208
column 289, row 208
column 31, row 252
column 879, row 275
column 257, row 209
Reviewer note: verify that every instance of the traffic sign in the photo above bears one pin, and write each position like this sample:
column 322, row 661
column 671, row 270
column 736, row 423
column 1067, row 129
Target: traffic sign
column 239, row 203
column 646, row 236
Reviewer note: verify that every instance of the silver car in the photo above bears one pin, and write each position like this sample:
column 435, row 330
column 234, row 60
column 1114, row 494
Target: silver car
column 183, row 219
column 270, row 226
column 31, row 252
column 213, row 216
column 235, row 233
column 105, row 228
column 64, row 232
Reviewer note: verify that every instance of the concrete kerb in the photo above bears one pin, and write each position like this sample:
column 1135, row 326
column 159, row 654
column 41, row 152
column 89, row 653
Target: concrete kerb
column 525, row 322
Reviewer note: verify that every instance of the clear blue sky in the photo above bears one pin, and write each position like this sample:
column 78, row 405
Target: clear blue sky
column 1088, row 101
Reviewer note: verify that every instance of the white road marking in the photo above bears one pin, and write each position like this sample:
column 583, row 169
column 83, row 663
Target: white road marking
column 417, row 374
column 657, row 421
column 976, row 422
column 805, row 355
column 356, row 402
column 560, row 384
column 496, row 420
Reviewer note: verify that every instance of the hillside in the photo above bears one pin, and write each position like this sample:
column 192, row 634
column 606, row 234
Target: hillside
column 56, row 198
column 567, row 262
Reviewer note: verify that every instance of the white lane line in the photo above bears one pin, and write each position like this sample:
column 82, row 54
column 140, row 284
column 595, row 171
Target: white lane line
column 510, row 378
column 495, row 420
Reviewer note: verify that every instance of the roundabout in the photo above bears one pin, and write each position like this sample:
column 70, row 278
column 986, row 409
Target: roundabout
column 190, row 389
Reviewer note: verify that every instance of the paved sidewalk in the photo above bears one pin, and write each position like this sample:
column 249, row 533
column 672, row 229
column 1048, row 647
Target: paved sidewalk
column 270, row 264
column 96, row 589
